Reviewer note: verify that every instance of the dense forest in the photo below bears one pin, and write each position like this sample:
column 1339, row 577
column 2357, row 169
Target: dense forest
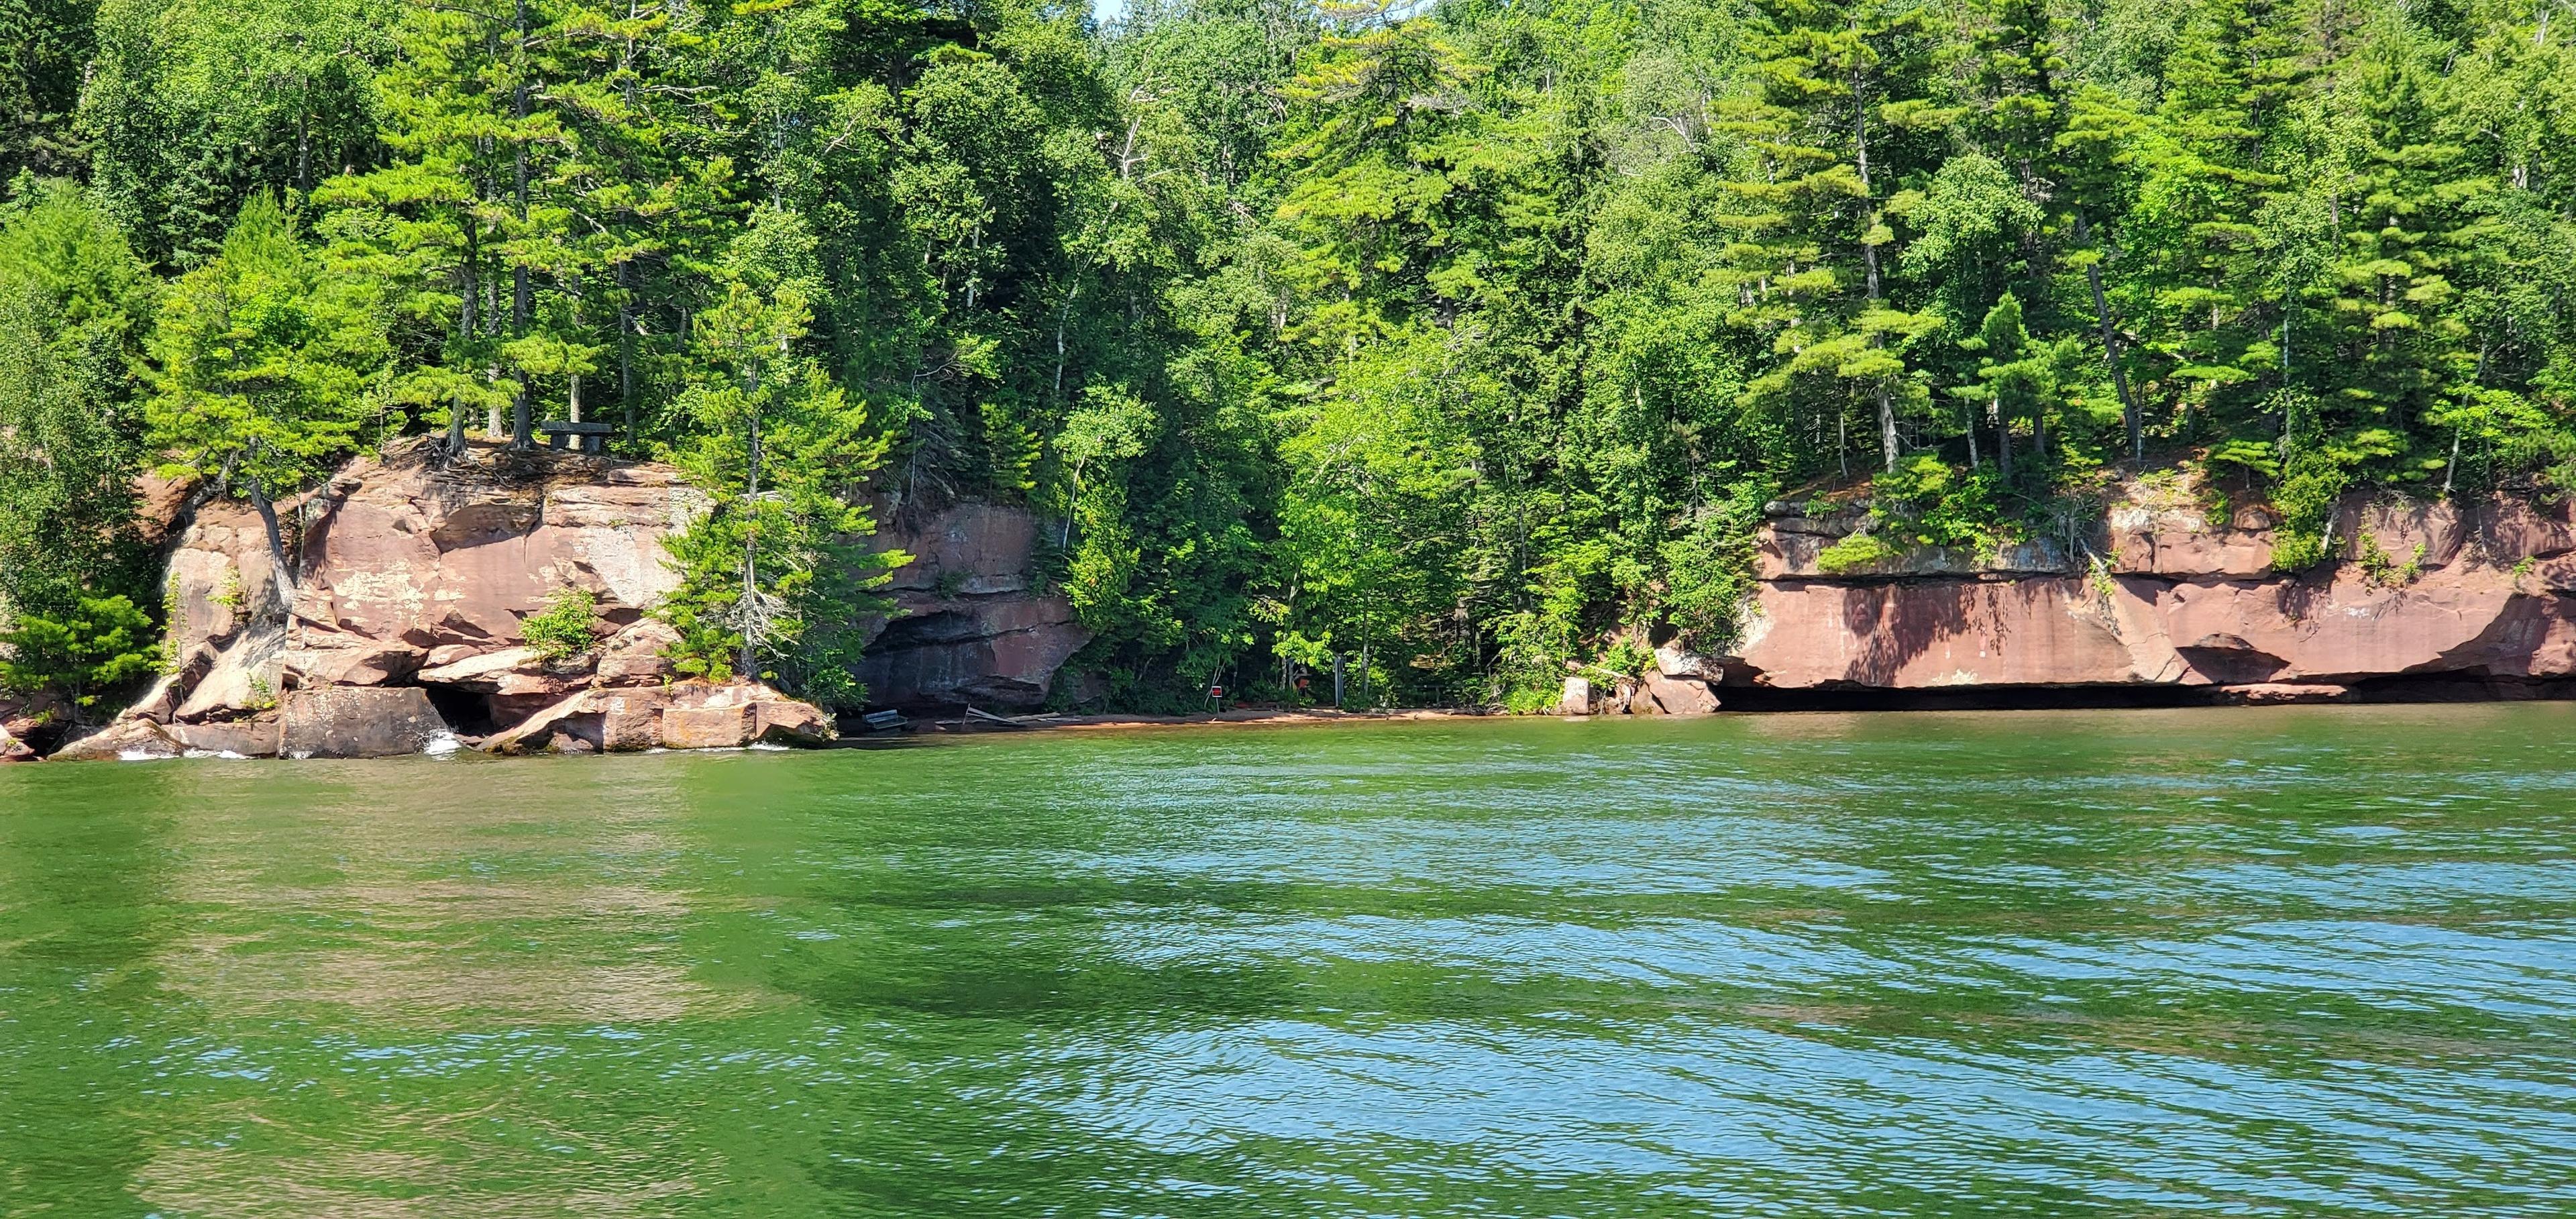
column 1453, row 339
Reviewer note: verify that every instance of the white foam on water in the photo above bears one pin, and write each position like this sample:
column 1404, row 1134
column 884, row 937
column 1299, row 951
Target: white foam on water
column 442, row 745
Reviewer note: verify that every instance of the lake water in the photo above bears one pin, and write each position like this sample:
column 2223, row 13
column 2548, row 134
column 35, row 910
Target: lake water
column 2246, row 962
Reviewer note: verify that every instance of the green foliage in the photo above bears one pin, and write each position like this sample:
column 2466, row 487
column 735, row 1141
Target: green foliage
column 263, row 362
column 774, row 580
column 102, row 644
column 1709, row 570
column 73, row 306
column 563, row 629
column 1855, row 552
column 1930, row 503
column 1448, row 342
column 2311, row 485
column 2378, row 567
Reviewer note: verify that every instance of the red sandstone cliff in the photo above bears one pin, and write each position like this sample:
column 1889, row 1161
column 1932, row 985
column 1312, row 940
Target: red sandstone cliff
column 2162, row 593
column 401, row 626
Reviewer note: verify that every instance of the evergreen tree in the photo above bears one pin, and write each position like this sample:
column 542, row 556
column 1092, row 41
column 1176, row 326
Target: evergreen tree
column 1840, row 120
column 263, row 363
column 74, row 305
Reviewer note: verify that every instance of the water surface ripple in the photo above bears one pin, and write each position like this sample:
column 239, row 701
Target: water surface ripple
column 2240, row 962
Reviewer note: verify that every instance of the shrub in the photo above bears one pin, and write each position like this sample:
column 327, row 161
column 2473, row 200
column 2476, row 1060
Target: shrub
column 1709, row 570
column 105, row 643
column 1855, row 552
column 2306, row 496
column 563, row 629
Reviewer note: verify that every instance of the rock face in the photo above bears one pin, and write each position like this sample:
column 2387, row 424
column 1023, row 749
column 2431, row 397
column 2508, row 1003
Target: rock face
column 693, row 715
column 401, row 624
column 970, row 624
column 21, row 717
column 2169, row 593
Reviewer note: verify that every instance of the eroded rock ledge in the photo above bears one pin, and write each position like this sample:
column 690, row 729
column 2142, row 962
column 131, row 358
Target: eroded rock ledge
column 2167, row 592
column 401, row 628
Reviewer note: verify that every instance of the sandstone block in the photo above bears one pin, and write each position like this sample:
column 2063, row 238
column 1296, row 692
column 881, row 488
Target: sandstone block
column 130, row 740
column 1932, row 633
column 722, row 726
column 629, row 719
column 249, row 738
column 1680, row 695
column 359, row 663
column 358, row 722
column 634, row 656
column 786, row 721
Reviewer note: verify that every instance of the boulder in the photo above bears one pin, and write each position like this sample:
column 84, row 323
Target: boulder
column 638, row 655
column 254, row 738
column 14, row 750
column 127, row 740
column 690, row 715
column 1679, row 695
column 358, row 722
column 1578, row 697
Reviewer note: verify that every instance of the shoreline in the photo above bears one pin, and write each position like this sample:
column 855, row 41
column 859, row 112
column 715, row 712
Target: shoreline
column 1761, row 701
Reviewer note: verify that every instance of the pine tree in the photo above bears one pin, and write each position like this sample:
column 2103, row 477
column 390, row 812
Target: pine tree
column 1843, row 113
column 263, row 359
column 2205, row 181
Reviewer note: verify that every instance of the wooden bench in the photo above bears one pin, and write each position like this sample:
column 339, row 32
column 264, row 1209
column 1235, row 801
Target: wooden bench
column 588, row 437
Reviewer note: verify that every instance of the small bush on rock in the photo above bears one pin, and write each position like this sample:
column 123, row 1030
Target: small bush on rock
column 562, row 630
column 82, row 655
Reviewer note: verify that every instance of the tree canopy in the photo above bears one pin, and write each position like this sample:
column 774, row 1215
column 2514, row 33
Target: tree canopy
column 1457, row 341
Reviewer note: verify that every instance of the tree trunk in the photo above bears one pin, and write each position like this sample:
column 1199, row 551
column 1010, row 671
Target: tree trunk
column 626, row 352
column 750, row 666
column 2111, row 350
column 522, row 418
column 276, row 538
column 2003, row 439
column 1869, row 258
column 465, row 330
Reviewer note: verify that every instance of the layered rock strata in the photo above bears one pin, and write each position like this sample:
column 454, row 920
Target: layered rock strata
column 2167, row 591
column 972, row 624
column 402, row 622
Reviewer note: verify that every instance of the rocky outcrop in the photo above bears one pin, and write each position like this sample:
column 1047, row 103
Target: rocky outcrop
column 2170, row 592
column 23, row 717
column 693, row 715
column 401, row 624
column 972, row 623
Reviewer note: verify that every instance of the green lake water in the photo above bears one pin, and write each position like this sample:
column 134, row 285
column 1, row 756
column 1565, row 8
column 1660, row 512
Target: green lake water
column 2248, row 962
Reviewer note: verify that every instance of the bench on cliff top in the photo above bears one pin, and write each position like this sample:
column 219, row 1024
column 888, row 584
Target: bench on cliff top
column 588, row 437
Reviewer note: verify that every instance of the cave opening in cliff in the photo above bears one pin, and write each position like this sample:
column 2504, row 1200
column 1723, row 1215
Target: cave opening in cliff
column 466, row 712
